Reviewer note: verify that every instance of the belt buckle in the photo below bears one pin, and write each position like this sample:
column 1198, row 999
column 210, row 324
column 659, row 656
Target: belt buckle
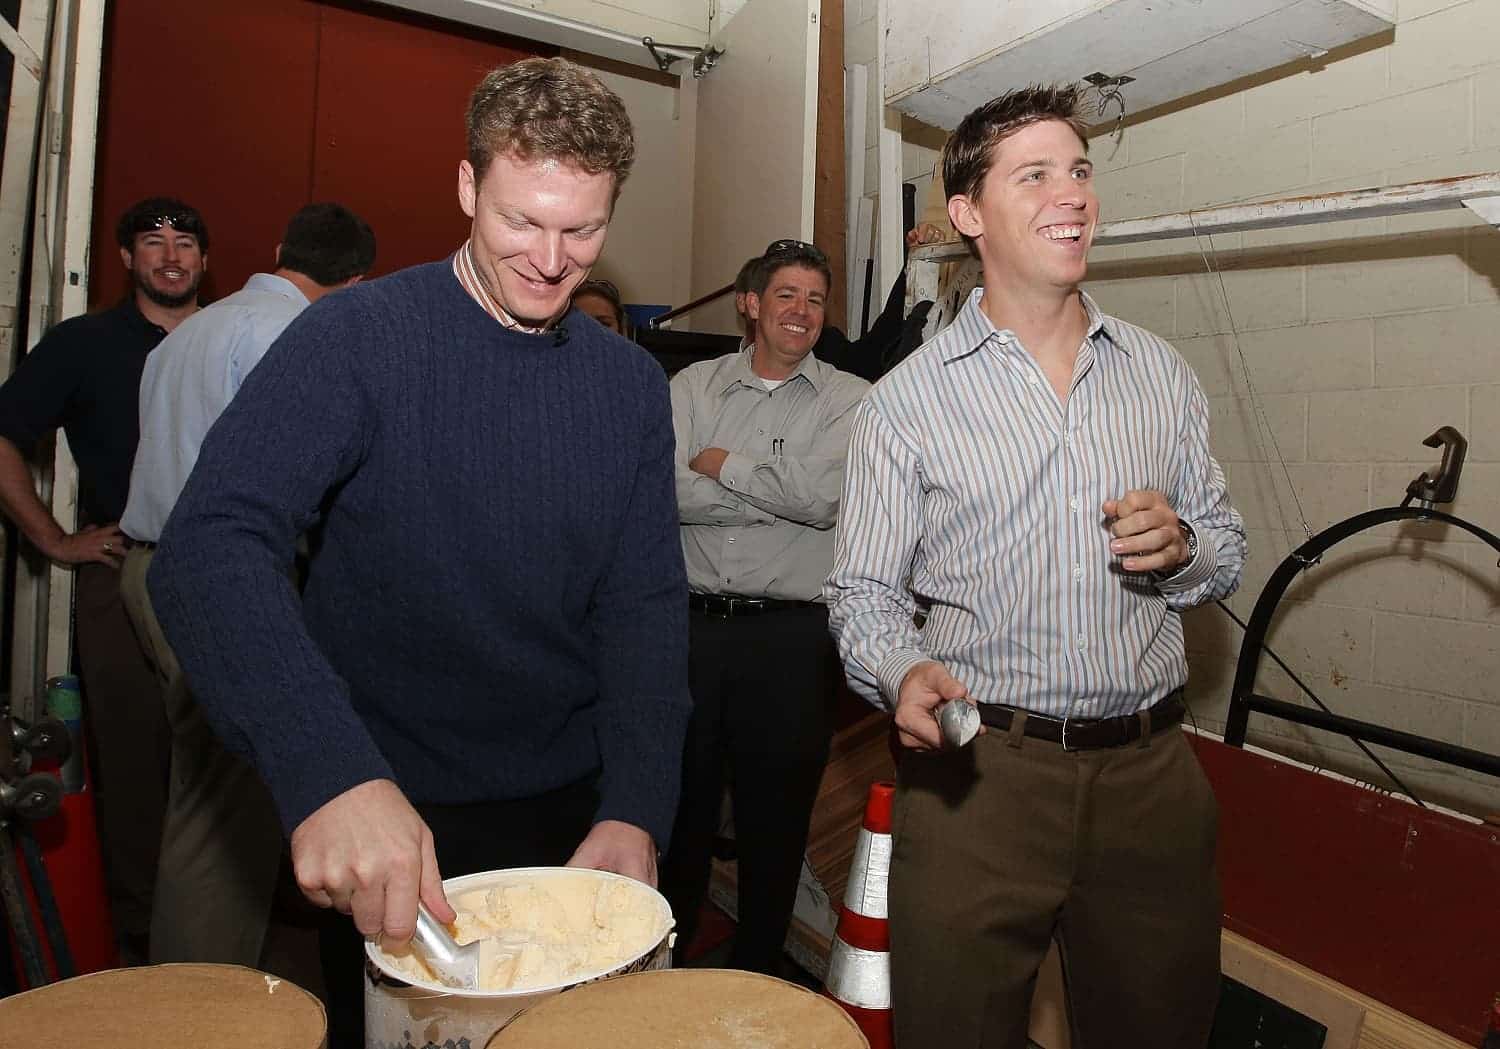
column 1067, row 719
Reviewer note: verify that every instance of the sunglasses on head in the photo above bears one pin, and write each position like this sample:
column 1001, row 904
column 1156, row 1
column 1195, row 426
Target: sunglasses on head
column 182, row 222
column 793, row 247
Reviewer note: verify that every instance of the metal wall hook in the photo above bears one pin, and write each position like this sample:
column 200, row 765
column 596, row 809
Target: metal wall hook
column 1442, row 485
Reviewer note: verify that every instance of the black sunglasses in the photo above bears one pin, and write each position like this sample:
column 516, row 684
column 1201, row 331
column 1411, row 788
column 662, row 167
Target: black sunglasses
column 181, row 221
column 794, row 247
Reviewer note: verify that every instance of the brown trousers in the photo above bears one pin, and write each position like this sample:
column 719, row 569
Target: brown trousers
column 1013, row 842
column 221, row 844
column 132, row 744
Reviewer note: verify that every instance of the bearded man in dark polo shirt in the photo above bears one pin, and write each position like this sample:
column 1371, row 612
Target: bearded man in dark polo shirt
column 488, row 665
column 83, row 377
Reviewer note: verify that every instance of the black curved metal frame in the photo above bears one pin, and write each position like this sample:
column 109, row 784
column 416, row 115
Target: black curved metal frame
column 1243, row 697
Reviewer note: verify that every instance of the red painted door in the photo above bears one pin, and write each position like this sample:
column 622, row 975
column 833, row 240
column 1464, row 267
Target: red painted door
column 249, row 111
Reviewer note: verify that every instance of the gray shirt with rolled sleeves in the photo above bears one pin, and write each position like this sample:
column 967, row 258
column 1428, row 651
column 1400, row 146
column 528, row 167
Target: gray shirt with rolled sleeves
column 765, row 527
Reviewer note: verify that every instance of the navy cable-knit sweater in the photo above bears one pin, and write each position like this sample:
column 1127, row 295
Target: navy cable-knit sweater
column 498, row 606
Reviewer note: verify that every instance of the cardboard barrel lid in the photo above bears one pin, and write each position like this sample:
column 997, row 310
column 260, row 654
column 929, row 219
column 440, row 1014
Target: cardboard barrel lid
column 702, row 1008
column 165, row 1006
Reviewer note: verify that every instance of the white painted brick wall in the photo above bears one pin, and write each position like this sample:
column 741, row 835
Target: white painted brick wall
column 1468, row 336
column 1393, row 130
column 1381, row 425
column 1361, row 339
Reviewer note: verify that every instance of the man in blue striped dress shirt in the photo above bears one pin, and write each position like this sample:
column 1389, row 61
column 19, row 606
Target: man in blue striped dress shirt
column 1037, row 479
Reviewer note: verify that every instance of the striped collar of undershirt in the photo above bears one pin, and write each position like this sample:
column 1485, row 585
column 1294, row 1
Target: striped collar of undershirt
column 468, row 276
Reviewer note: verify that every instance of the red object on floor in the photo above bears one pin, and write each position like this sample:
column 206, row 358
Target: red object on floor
column 75, row 869
column 859, row 964
column 1391, row 900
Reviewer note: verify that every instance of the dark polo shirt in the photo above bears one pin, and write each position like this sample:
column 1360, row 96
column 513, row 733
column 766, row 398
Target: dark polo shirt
column 85, row 376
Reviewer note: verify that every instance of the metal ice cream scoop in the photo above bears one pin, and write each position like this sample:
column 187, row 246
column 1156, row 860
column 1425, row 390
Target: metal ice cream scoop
column 958, row 722
column 454, row 965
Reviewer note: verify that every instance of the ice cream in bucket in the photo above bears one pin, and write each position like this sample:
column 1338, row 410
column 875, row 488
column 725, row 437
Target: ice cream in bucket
column 541, row 930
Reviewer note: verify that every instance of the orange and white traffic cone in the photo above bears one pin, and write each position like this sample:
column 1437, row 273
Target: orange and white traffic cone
column 859, row 964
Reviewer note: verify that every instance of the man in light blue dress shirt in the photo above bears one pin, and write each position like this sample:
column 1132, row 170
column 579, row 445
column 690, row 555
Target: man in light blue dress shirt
column 222, row 842
column 1037, row 479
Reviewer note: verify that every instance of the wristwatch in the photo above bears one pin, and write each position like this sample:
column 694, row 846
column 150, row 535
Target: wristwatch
column 1191, row 538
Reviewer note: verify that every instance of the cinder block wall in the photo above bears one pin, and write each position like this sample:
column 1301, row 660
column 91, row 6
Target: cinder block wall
column 1360, row 339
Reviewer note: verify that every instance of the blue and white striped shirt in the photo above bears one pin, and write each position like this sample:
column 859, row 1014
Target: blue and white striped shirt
column 971, row 490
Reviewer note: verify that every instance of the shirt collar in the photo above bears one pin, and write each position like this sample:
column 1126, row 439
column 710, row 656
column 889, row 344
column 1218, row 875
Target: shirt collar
column 972, row 328
column 468, row 276
column 275, row 285
column 131, row 314
column 810, row 368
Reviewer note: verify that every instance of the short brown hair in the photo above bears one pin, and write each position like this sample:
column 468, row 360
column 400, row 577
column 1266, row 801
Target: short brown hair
column 550, row 109
column 970, row 150
column 783, row 253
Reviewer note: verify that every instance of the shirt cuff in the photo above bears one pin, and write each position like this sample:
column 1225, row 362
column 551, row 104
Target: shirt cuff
column 893, row 671
column 735, row 473
column 1195, row 572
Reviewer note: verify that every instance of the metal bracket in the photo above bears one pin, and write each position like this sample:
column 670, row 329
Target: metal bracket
column 704, row 58
column 1104, row 80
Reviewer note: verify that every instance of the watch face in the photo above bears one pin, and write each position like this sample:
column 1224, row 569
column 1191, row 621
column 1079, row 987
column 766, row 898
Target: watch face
column 1191, row 538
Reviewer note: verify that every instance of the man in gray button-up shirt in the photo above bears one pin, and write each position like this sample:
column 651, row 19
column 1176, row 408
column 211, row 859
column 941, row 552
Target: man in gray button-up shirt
column 761, row 439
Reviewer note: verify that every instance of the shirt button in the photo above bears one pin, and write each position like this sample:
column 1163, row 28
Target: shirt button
column 1083, row 643
column 1073, row 503
column 1034, row 380
column 1077, row 569
column 731, row 539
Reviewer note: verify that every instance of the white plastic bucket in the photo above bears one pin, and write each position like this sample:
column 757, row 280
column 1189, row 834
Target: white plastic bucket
column 403, row 1013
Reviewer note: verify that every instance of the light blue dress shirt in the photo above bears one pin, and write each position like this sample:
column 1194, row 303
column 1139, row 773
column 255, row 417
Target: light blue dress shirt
column 189, row 380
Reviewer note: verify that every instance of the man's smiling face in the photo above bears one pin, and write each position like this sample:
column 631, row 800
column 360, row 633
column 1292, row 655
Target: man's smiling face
column 1036, row 211
column 788, row 315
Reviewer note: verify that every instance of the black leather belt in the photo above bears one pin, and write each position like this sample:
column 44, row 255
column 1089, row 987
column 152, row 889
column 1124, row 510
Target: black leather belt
column 1088, row 733
column 727, row 605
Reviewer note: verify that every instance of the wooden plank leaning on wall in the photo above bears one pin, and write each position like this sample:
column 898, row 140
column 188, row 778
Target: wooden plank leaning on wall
column 828, row 198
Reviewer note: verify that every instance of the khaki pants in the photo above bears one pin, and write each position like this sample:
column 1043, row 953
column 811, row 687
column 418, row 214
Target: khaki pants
column 1013, row 842
column 222, row 841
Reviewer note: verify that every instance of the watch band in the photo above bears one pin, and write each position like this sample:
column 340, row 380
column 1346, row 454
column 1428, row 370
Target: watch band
column 1189, row 536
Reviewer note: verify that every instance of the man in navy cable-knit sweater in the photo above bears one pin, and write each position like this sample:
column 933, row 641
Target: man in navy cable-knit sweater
column 488, row 665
